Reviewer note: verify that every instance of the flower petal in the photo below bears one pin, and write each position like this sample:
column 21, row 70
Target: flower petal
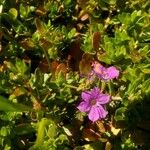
column 94, row 114
column 97, row 67
column 97, row 113
column 95, row 92
column 103, row 99
column 102, row 112
column 86, row 96
column 112, row 72
column 105, row 73
column 101, row 73
column 84, row 106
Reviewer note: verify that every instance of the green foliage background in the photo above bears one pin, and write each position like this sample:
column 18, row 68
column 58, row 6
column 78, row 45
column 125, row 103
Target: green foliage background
column 42, row 44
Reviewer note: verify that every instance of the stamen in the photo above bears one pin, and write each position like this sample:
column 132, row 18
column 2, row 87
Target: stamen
column 93, row 102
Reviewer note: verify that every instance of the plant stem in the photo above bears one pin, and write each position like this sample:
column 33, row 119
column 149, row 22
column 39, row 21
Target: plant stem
column 110, row 88
column 71, row 86
column 47, row 58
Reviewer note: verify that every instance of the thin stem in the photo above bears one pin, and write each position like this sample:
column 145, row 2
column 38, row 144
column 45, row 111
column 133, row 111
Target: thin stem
column 103, row 85
column 110, row 88
column 71, row 86
column 47, row 58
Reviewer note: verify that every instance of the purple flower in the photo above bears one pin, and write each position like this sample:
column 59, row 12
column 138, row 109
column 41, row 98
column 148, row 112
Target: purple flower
column 93, row 102
column 105, row 73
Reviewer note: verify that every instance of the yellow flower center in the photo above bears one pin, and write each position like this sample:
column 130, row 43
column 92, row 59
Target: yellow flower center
column 93, row 102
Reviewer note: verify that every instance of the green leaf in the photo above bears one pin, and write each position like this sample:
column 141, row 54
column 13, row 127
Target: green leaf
column 52, row 131
column 6, row 105
column 71, row 34
column 10, row 66
column 53, row 53
column 135, row 14
column 16, row 24
column 133, row 87
column 23, row 129
column 41, row 133
column 60, row 78
column 146, row 86
column 21, row 66
column 24, row 11
column 120, row 51
column 5, row 131
column 13, row 12
column 144, row 51
column 41, row 27
column 124, row 18
column 120, row 114
column 146, row 71
column 121, row 36
column 67, row 2
column 87, row 44
column 37, row 79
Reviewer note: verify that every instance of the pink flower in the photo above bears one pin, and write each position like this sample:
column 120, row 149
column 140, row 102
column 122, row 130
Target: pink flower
column 93, row 102
column 105, row 73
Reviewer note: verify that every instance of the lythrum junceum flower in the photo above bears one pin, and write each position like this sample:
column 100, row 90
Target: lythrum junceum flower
column 105, row 73
column 93, row 103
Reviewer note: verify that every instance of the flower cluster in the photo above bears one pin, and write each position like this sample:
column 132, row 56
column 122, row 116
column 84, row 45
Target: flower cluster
column 94, row 101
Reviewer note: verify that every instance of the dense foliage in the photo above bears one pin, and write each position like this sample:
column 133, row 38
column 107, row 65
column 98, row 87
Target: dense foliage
column 47, row 51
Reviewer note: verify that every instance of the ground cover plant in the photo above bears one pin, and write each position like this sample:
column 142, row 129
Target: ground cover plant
column 74, row 75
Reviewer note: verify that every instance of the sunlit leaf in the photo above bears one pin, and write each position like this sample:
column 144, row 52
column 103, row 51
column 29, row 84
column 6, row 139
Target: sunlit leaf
column 120, row 114
column 52, row 130
column 17, row 92
column 40, row 26
column 67, row 131
column 114, row 130
column 13, row 12
column 146, row 86
column 108, row 146
column 101, row 126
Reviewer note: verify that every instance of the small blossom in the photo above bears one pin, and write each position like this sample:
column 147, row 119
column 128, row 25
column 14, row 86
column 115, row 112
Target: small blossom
column 93, row 102
column 105, row 73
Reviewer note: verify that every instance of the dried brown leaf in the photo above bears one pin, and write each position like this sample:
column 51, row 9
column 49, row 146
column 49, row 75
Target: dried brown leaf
column 28, row 44
column 40, row 27
column 85, row 64
column 45, row 44
column 96, row 40
column 40, row 11
column 108, row 146
column 44, row 66
column 84, row 17
column 90, row 135
column 101, row 126
column 61, row 68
